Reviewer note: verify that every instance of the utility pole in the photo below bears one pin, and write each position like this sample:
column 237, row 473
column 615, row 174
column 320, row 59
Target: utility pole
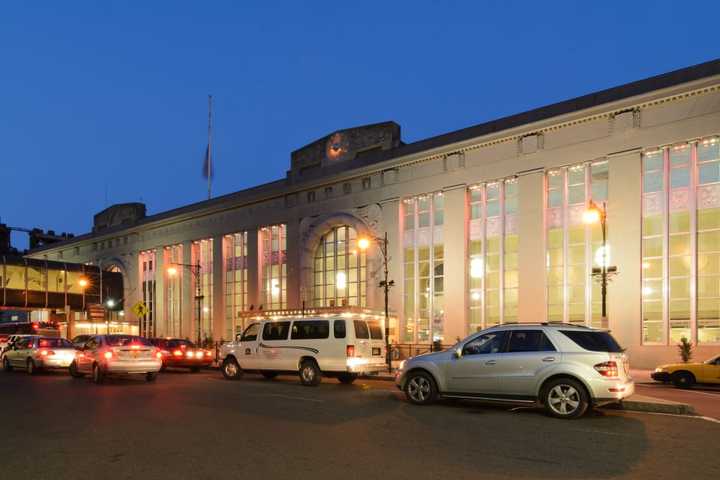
column 209, row 148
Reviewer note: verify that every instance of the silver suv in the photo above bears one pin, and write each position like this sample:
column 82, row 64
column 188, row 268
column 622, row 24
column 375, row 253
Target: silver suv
column 564, row 368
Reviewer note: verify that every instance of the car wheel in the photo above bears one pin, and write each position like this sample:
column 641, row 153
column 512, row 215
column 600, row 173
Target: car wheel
column 347, row 378
column 269, row 375
column 97, row 374
column 683, row 379
column 310, row 374
column 6, row 365
column 150, row 376
column 230, row 369
column 420, row 388
column 565, row 398
column 74, row 371
column 31, row 369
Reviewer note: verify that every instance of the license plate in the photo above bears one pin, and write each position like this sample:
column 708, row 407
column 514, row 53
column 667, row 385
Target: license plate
column 376, row 351
column 135, row 354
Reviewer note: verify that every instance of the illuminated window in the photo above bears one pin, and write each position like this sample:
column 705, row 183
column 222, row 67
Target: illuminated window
column 681, row 243
column 147, row 265
column 273, row 255
column 236, row 282
column 202, row 254
column 423, row 259
column 173, row 290
column 493, row 254
column 574, row 247
column 339, row 273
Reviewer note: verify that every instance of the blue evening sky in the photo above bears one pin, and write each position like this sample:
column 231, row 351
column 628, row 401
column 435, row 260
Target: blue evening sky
column 110, row 96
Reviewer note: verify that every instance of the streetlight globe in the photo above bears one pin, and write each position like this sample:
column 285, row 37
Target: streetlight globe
column 591, row 215
column 363, row 243
column 172, row 271
column 83, row 282
column 110, row 303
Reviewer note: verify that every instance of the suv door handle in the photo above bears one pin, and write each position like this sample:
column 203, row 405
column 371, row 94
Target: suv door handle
column 548, row 359
column 491, row 362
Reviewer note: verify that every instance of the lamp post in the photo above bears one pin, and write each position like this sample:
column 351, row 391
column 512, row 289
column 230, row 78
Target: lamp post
column 195, row 269
column 598, row 213
column 385, row 284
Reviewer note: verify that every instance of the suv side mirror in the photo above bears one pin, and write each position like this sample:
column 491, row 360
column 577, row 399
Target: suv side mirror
column 457, row 353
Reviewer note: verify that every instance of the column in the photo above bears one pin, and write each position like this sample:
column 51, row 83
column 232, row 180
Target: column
column 531, row 257
column 455, row 268
column 189, row 322
column 161, row 322
column 624, row 239
column 294, row 275
column 253, row 267
column 218, row 307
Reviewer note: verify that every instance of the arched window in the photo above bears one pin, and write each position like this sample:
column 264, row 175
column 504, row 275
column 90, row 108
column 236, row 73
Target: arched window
column 339, row 274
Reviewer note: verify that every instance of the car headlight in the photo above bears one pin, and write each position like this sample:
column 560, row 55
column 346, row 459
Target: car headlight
column 658, row 369
column 402, row 365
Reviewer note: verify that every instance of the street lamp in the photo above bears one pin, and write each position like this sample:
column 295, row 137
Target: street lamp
column 385, row 284
column 598, row 213
column 195, row 270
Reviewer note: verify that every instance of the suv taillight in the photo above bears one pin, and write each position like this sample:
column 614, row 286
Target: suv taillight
column 350, row 350
column 607, row 369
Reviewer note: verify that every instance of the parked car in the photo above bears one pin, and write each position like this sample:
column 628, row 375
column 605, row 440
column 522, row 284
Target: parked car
column 8, row 343
column 34, row 353
column 177, row 352
column 685, row 375
column 564, row 368
column 104, row 355
column 311, row 347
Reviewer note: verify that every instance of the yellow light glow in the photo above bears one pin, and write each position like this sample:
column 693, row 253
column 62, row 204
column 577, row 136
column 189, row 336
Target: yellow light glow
column 475, row 296
column 591, row 215
column 476, row 268
column 341, row 280
column 83, row 282
column 363, row 243
column 599, row 256
column 172, row 271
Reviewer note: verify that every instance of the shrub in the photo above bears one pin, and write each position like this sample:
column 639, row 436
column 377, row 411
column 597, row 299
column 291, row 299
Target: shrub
column 685, row 348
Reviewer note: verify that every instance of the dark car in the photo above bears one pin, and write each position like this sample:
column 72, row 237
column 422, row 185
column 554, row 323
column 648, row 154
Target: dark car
column 181, row 353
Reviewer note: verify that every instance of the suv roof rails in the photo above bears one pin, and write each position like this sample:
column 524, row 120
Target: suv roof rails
column 545, row 324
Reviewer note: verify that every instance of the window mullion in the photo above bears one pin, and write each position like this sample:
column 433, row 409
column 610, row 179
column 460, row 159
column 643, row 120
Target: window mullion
column 693, row 241
column 666, row 242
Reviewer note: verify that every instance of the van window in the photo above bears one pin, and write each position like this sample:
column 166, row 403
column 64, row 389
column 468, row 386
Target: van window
column 310, row 329
column 361, row 329
column 375, row 330
column 276, row 331
column 339, row 328
column 250, row 334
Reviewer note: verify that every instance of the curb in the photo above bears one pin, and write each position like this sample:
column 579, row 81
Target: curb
column 654, row 407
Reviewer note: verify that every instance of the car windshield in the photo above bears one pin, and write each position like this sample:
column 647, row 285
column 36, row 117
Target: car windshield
column 713, row 361
column 54, row 343
column 126, row 340
column 593, row 340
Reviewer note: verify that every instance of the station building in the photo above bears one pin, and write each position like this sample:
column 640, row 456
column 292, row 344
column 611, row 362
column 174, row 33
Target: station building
column 485, row 225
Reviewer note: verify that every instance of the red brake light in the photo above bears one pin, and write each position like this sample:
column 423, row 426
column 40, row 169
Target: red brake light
column 108, row 355
column 35, row 326
column 607, row 369
column 158, row 354
column 135, row 347
column 350, row 350
column 178, row 353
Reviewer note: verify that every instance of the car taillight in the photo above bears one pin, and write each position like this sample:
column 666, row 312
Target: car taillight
column 108, row 355
column 350, row 350
column 607, row 369
column 189, row 354
column 159, row 354
column 177, row 353
column 45, row 353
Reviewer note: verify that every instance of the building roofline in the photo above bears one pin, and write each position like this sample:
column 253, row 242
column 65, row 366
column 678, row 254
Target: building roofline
column 602, row 97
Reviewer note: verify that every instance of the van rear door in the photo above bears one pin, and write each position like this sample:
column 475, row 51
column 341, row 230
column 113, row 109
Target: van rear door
column 362, row 339
column 377, row 340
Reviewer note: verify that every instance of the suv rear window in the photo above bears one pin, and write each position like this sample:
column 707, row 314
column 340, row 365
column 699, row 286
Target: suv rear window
column 593, row 341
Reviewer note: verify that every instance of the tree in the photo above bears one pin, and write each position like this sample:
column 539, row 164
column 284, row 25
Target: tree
column 685, row 348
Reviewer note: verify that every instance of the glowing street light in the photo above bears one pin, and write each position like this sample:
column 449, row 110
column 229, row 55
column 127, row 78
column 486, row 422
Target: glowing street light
column 83, row 282
column 172, row 271
column 110, row 303
column 363, row 243
column 598, row 214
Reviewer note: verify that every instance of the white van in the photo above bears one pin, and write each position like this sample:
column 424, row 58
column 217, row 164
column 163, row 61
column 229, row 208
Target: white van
column 337, row 346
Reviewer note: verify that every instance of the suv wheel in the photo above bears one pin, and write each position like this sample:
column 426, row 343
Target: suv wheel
column 74, row 371
column 683, row 379
column 230, row 369
column 310, row 374
column 6, row 365
column 565, row 398
column 150, row 376
column 420, row 388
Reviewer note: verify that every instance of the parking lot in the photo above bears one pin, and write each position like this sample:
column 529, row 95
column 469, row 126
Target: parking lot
column 201, row 426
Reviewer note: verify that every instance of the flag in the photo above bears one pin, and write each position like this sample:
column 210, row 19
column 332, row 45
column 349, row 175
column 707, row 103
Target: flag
column 207, row 171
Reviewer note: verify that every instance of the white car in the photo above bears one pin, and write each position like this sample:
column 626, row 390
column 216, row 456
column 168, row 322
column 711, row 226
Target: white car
column 340, row 346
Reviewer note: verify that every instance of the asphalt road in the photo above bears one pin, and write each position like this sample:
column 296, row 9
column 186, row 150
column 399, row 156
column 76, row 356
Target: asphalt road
column 203, row 427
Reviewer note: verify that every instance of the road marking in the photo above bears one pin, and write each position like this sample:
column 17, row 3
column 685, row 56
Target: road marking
column 699, row 417
column 291, row 397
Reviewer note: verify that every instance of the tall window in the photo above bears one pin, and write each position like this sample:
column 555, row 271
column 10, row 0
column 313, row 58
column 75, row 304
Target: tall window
column 173, row 290
column 681, row 243
column 573, row 247
column 147, row 284
column 493, row 254
column 424, row 253
column 202, row 254
column 236, row 281
column 339, row 270
column 273, row 246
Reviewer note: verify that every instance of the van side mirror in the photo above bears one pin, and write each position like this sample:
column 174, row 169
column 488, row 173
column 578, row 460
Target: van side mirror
column 457, row 353
column 238, row 337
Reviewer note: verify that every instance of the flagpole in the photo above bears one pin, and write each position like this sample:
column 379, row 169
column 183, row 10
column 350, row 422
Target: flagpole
column 209, row 148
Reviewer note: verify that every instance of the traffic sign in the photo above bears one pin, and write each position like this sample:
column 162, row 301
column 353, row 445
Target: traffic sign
column 140, row 309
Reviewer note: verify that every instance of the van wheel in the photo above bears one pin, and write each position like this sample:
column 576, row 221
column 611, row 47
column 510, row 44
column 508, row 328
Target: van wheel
column 565, row 398
column 347, row 378
column 269, row 375
column 420, row 388
column 74, row 371
column 150, row 376
column 683, row 379
column 310, row 374
column 97, row 375
column 230, row 369
column 6, row 365
column 31, row 369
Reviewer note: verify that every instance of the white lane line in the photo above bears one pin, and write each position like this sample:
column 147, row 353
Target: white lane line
column 291, row 397
column 699, row 417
